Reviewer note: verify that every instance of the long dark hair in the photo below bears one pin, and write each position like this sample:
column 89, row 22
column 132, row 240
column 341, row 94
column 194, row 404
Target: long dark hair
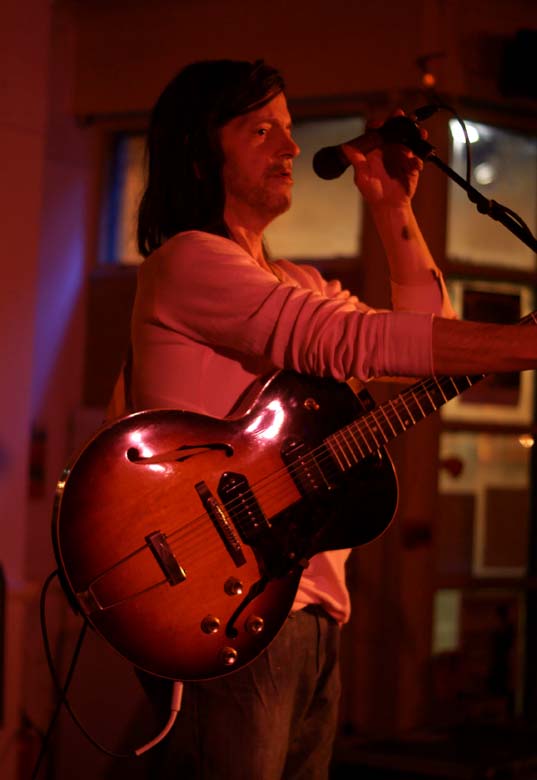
column 184, row 188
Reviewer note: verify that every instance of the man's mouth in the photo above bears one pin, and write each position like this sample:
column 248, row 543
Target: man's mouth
column 285, row 174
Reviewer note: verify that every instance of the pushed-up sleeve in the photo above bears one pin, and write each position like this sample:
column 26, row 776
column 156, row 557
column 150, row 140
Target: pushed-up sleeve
column 211, row 291
column 431, row 296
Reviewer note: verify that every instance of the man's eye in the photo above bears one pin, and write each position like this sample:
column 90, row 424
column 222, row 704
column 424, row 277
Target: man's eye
column 262, row 130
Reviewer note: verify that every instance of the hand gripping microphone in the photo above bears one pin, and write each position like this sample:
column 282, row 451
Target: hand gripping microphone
column 330, row 162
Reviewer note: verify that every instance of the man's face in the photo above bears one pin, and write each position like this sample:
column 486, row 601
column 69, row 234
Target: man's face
column 258, row 159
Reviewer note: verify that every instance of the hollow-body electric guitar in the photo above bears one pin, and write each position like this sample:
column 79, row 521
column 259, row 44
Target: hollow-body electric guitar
column 182, row 538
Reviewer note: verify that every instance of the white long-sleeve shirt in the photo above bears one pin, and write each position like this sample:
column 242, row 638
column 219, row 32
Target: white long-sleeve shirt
column 208, row 321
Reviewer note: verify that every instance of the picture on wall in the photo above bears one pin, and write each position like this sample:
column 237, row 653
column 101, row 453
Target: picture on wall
column 499, row 398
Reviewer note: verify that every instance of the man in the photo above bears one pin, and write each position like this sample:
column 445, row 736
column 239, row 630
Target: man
column 213, row 312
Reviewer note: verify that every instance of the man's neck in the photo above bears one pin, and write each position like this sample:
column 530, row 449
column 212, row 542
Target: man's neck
column 250, row 241
column 247, row 230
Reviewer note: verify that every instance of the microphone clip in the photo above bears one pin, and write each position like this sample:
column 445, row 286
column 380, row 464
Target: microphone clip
column 404, row 130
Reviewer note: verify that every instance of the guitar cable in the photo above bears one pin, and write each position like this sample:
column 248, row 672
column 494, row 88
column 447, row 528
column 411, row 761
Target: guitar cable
column 175, row 706
column 62, row 690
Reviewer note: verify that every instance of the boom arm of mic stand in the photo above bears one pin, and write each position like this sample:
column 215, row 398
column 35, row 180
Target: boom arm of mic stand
column 491, row 208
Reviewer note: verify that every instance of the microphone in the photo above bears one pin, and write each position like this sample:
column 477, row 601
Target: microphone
column 330, row 162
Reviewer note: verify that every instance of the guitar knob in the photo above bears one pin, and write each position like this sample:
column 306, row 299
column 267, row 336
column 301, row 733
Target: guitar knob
column 233, row 587
column 254, row 624
column 210, row 624
column 228, row 655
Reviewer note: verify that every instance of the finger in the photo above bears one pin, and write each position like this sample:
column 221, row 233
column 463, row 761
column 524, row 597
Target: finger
column 372, row 124
column 353, row 155
column 401, row 167
column 405, row 154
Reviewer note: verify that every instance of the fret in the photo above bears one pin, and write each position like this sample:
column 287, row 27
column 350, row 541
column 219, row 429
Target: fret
column 381, row 409
column 430, row 400
column 341, row 435
column 378, row 427
column 401, row 422
column 371, row 431
column 408, row 409
column 439, row 386
column 465, row 381
column 367, row 436
column 352, row 427
column 351, row 443
column 451, row 379
column 420, row 407
column 331, row 443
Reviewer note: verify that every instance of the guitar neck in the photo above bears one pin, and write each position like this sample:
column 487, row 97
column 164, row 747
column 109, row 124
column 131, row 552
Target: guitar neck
column 369, row 433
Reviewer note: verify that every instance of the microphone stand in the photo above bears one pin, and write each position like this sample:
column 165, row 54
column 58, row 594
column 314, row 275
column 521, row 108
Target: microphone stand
column 412, row 139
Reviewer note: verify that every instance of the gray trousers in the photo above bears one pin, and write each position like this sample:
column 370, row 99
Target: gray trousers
column 273, row 720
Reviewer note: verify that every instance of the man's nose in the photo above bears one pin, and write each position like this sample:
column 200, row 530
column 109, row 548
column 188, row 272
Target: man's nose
column 290, row 147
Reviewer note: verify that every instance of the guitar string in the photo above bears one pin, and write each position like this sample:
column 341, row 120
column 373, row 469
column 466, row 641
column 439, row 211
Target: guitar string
column 323, row 452
column 406, row 399
column 389, row 410
column 321, row 455
column 198, row 542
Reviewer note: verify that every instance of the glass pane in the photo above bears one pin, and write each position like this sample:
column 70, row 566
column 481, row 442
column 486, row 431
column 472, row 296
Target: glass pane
column 130, row 185
column 446, row 620
column 500, row 398
column 484, row 504
column 324, row 221
column 505, row 170
column 478, row 648
column 325, row 218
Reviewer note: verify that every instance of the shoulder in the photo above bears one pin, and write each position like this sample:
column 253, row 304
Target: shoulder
column 193, row 242
column 194, row 250
column 309, row 277
column 303, row 275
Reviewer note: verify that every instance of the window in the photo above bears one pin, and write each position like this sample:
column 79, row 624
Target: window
column 482, row 560
column 504, row 169
column 127, row 184
column 324, row 221
column 501, row 398
column 484, row 508
column 325, row 218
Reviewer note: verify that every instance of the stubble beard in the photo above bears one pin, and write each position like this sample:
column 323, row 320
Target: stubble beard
column 269, row 203
column 264, row 199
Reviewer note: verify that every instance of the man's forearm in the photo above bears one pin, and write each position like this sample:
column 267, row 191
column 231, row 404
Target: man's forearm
column 408, row 255
column 480, row 348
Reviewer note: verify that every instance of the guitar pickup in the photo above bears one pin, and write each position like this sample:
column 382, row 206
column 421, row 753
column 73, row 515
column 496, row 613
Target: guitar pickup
column 221, row 523
column 167, row 561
